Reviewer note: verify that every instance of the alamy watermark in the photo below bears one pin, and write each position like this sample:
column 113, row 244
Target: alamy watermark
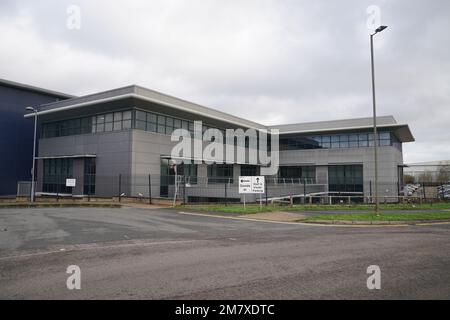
column 374, row 280
column 73, row 282
column 237, row 146
column 374, row 19
column 73, row 21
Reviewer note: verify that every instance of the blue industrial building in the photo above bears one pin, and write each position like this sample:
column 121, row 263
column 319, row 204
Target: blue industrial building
column 16, row 133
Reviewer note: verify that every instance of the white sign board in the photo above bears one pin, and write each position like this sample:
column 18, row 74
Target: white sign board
column 71, row 182
column 245, row 184
column 251, row 184
column 258, row 184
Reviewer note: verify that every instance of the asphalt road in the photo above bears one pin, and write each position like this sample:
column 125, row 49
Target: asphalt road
column 161, row 254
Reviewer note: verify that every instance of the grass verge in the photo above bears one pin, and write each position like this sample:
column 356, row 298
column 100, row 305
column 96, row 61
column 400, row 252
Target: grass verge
column 254, row 208
column 382, row 217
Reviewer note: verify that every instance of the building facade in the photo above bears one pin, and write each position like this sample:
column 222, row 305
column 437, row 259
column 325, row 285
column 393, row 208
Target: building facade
column 16, row 133
column 125, row 134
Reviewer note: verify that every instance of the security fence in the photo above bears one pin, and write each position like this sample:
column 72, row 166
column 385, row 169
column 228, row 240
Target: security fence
column 195, row 189
column 187, row 189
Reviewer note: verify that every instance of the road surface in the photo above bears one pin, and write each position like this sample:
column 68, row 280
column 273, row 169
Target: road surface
column 133, row 253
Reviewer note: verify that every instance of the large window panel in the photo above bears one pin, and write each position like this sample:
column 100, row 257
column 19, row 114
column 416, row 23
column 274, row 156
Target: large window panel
column 220, row 173
column 345, row 178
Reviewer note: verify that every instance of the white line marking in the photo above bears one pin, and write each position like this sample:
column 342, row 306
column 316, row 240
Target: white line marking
column 294, row 223
column 85, row 247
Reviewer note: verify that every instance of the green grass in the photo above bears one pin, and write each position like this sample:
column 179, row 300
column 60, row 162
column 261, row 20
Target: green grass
column 234, row 208
column 254, row 208
column 335, row 207
column 382, row 217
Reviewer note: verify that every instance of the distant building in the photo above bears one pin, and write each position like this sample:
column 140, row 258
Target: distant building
column 427, row 170
column 16, row 133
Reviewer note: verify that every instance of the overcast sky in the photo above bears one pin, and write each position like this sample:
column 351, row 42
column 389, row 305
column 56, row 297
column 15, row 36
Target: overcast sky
column 269, row 61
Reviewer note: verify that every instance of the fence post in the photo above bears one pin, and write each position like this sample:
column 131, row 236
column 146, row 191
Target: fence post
column 57, row 189
column 89, row 187
column 120, row 187
column 226, row 193
column 424, row 193
column 265, row 185
column 149, row 189
column 304, row 191
column 184, row 189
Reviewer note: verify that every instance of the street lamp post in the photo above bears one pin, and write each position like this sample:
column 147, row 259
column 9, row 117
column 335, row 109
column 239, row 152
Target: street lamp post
column 34, row 152
column 375, row 133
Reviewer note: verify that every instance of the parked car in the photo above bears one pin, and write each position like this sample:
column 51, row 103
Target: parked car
column 409, row 189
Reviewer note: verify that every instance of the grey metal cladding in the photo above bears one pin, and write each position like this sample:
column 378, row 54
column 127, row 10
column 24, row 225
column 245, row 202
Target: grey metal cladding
column 144, row 93
column 89, row 98
column 335, row 124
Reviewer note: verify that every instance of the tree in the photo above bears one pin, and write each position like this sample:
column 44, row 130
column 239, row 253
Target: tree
column 425, row 176
column 409, row 179
column 444, row 174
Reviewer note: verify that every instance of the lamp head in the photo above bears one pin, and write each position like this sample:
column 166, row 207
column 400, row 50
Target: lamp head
column 380, row 28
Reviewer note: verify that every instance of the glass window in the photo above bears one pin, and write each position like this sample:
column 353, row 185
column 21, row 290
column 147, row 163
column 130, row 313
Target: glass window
column 86, row 126
column 56, row 171
column 100, row 119
column 326, row 142
column 353, row 140
column 343, row 141
column 108, row 126
column 151, row 127
column 220, row 173
column 345, row 178
column 100, row 127
column 117, row 116
column 126, row 124
column 126, row 115
column 141, row 116
column 161, row 120
column 177, row 124
column 151, row 117
column 109, row 117
column 371, row 140
column 140, row 125
column 117, row 125
column 363, row 140
column 249, row 170
column 169, row 122
column 89, row 176
column 334, row 141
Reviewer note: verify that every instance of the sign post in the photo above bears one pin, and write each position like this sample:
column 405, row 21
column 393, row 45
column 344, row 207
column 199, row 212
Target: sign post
column 71, row 183
column 252, row 185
